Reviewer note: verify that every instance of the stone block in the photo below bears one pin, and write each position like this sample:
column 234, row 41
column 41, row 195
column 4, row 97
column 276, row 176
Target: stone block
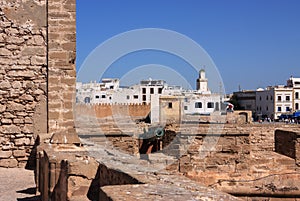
column 28, row 120
column 6, row 121
column 9, row 163
column 58, row 55
column 15, row 40
column 5, row 52
column 78, row 186
column 38, row 60
column 21, row 135
column 5, row 85
column 2, row 108
column 16, row 85
column 38, row 40
column 84, row 166
column 28, row 128
column 33, row 50
column 7, row 146
column 5, row 154
column 53, row 115
column 19, row 153
column 24, row 61
column 10, row 129
column 231, row 148
column 12, row 106
column 22, row 141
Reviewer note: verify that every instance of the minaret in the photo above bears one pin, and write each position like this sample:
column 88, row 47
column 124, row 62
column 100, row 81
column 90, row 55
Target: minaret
column 202, row 81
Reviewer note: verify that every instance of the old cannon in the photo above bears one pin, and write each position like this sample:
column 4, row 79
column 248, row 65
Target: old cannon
column 150, row 141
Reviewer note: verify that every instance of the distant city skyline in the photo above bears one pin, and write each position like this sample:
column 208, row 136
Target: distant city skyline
column 254, row 44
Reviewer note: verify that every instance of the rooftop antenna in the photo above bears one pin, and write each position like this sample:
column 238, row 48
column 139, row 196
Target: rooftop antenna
column 239, row 87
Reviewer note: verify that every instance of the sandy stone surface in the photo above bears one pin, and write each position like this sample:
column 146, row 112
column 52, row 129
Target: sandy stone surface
column 17, row 184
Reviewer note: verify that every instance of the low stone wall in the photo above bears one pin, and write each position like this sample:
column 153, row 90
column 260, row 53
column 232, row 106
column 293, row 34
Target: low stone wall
column 70, row 173
column 226, row 155
column 288, row 144
column 64, row 172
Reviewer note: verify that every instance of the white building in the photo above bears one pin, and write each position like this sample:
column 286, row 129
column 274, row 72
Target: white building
column 110, row 92
column 200, row 101
column 96, row 92
column 295, row 84
column 274, row 100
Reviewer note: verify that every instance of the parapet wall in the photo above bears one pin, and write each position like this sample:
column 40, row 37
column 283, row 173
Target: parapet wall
column 108, row 110
column 23, row 78
column 288, row 143
column 69, row 173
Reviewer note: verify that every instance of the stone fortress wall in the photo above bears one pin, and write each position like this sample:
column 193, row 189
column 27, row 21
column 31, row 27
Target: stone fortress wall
column 23, row 78
column 37, row 75
column 107, row 110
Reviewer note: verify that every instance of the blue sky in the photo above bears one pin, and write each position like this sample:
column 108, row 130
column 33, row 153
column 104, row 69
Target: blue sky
column 253, row 43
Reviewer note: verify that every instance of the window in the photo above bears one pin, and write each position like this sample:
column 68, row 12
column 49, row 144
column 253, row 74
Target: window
column 287, row 109
column 97, row 96
column 186, row 99
column 297, row 106
column 110, row 98
column 257, row 108
column 271, row 97
column 111, row 87
column 198, row 105
column 185, row 107
column 267, row 108
column 296, row 95
column 128, row 97
column 170, row 105
column 151, row 90
column 260, row 98
column 267, row 98
column 217, row 106
column 160, row 90
column 103, row 96
column 144, row 97
column 260, row 108
column 279, row 109
column 135, row 96
column 279, row 98
column 87, row 100
column 210, row 105
column 144, row 90
column 287, row 98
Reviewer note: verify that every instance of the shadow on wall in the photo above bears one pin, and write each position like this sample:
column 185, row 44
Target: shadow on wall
column 31, row 163
column 29, row 191
column 107, row 177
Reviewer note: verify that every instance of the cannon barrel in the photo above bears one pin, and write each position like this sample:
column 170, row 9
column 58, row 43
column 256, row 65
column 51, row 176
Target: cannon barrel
column 153, row 132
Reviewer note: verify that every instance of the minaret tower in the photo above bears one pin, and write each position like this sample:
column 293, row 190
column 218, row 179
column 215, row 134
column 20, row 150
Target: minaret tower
column 202, row 81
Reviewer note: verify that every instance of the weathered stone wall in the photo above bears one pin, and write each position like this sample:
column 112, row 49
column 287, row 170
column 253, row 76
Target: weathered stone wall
column 69, row 173
column 227, row 156
column 61, row 65
column 243, row 161
column 23, row 75
column 288, row 144
column 37, row 75
column 108, row 110
column 170, row 109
